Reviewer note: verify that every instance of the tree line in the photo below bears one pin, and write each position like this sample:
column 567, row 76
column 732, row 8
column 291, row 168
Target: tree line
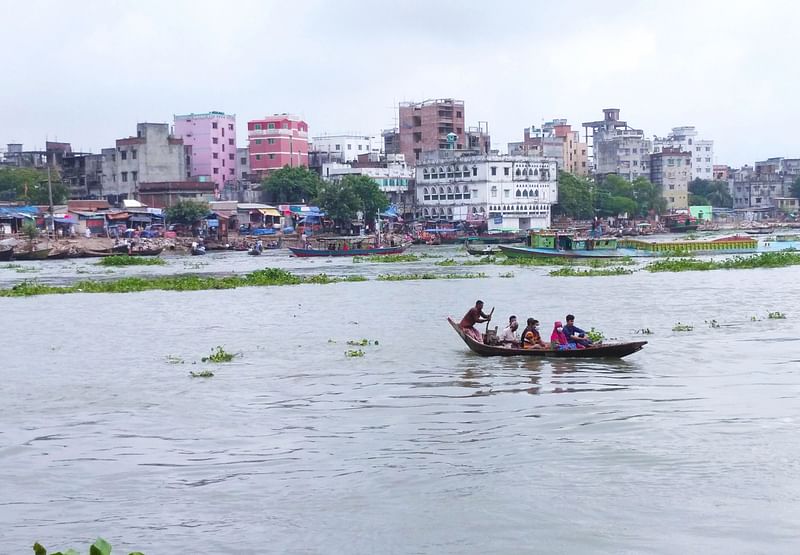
column 582, row 198
column 29, row 186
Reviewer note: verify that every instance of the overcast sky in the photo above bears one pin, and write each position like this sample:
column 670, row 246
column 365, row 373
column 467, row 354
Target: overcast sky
column 87, row 71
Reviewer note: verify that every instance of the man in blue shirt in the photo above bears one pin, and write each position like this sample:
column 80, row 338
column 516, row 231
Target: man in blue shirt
column 575, row 334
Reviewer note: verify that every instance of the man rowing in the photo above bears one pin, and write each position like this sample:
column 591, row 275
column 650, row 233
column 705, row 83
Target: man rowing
column 474, row 316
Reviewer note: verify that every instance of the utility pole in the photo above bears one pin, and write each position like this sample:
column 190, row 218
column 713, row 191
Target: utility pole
column 52, row 225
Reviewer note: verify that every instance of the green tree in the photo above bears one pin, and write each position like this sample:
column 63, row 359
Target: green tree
column 187, row 212
column 291, row 185
column 647, row 197
column 372, row 200
column 574, row 196
column 796, row 188
column 715, row 193
column 29, row 185
column 340, row 202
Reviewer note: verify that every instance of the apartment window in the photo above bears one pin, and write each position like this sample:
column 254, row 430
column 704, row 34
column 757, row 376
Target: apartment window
column 359, row 147
column 458, row 114
column 635, row 150
column 697, row 148
column 635, row 162
column 708, row 159
column 286, row 126
column 270, row 126
column 230, row 156
column 133, row 154
column 213, row 125
column 123, row 155
column 507, row 193
column 271, row 156
column 223, row 132
column 349, row 147
column 708, row 149
column 134, row 176
column 270, row 141
column 337, row 147
column 223, row 163
column 230, row 127
column 244, row 175
column 506, row 171
column 494, row 170
column 216, row 171
column 124, row 177
column 494, row 192
column 230, row 142
column 258, row 157
column 672, row 186
column 215, row 155
column 699, row 159
column 258, row 141
column 257, row 126
column 708, row 170
column 215, row 140
column 474, row 171
column 243, row 161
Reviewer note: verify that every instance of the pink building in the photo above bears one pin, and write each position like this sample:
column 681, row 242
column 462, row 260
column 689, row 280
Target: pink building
column 277, row 141
column 212, row 137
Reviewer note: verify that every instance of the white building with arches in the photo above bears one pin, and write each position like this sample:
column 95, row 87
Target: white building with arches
column 509, row 192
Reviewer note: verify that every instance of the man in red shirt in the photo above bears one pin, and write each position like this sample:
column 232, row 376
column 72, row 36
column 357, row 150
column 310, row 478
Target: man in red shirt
column 474, row 316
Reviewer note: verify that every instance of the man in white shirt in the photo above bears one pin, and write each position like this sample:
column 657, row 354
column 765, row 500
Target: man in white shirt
column 509, row 336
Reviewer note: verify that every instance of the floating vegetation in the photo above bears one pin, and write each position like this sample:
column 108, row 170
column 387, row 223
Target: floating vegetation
column 644, row 331
column 386, row 258
column 99, row 547
column 446, row 262
column 682, row 327
column 220, row 355
column 506, row 275
column 361, row 342
column 712, row 323
column 776, row 316
column 354, row 353
column 171, row 359
column 27, row 270
column 411, row 277
column 577, row 272
column 11, row 266
column 259, row 278
column 558, row 261
column 595, row 336
column 127, row 260
column 202, row 374
column 763, row 260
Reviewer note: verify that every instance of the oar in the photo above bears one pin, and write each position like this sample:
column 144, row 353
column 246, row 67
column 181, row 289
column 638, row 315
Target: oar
column 487, row 323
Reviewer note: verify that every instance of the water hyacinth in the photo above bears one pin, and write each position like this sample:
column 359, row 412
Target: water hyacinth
column 127, row 260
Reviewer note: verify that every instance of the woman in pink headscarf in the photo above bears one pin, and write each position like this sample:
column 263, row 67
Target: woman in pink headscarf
column 558, row 339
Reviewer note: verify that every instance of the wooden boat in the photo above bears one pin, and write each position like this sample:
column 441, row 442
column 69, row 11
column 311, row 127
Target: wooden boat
column 605, row 350
column 496, row 239
column 38, row 254
column 137, row 250
column 482, row 250
column 303, row 253
column 89, row 253
column 254, row 251
column 680, row 223
column 198, row 251
column 6, row 254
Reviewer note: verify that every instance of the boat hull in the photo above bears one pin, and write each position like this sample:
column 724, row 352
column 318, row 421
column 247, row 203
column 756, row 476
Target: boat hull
column 610, row 350
column 531, row 252
column 40, row 254
column 306, row 253
column 6, row 254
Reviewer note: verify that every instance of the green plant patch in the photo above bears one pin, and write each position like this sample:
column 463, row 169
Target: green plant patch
column 776, row 316
column 353, row 353
column 412, row 277
column 386, row 258
column 577, row 272
column 127, row 260
column 763, row 260
column 682, row 327
column 219, row 355
column 202, row 374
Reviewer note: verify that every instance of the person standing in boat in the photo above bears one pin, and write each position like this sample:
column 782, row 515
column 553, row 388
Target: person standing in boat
column 474, row 316
column 509, row 336
column 575, row 334
column 531, row 338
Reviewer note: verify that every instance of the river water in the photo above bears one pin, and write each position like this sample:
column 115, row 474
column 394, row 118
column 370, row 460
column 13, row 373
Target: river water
column 417, row 447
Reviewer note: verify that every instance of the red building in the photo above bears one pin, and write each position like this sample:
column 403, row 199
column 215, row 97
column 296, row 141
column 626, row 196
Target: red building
column 277, row 141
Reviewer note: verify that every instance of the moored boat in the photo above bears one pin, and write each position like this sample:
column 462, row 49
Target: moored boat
column 347, row 246
column 36, row 254
column 481, row 250
column 604, row 350
column 6, row 254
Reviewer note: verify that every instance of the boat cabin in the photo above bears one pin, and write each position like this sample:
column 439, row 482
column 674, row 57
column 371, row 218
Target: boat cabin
column 567, row 242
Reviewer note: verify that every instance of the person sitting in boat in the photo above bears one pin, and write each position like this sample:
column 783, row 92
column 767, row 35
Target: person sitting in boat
column 531, row 338
column 509, row 336
column 474, row 316
column 575, row 334
column 259, row 246
column 558, row 340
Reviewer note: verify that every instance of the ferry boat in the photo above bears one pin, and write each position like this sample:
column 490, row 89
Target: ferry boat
column 347, row 246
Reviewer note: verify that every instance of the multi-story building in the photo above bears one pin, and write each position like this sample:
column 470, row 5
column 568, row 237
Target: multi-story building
column 509, row 192
column 277, row 141
column 618, row 148
column 428, row 127
column 346, row 147
column 671, row 169
column 720, row 172
column 765, row 186
column 686, row 139
column 212, row 137
column 152, row 156
column 243, row 164
column 556, row 140
column 391, row 173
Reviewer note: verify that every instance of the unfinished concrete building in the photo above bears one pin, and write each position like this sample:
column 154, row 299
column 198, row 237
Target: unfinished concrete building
column 618, row 148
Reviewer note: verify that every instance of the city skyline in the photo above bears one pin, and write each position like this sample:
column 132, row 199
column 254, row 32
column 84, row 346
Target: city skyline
column 94, row 70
